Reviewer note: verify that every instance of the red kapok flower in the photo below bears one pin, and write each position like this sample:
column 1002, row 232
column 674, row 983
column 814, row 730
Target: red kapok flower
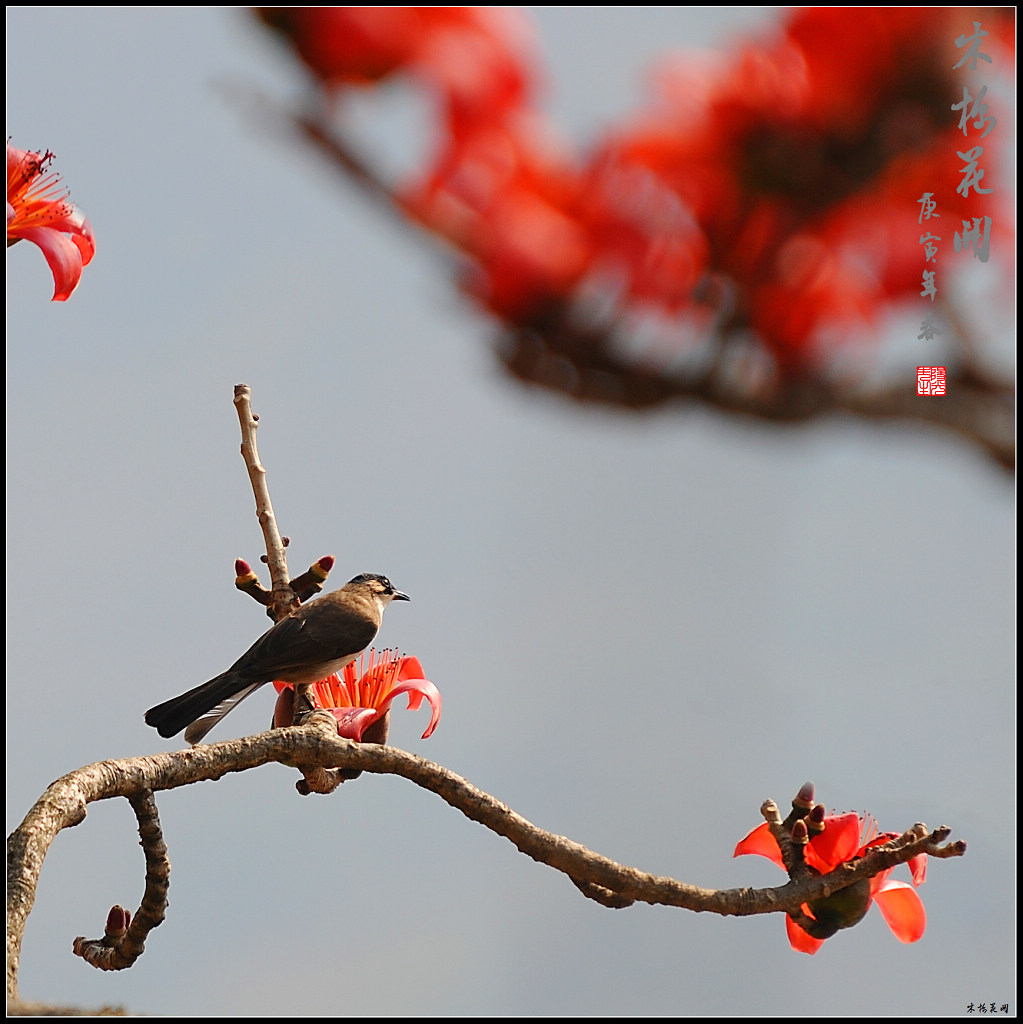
column 362, row 695
column 38, row 210
column 794, row 164
column 847, row 837
column 479, row 59
column 505, row 195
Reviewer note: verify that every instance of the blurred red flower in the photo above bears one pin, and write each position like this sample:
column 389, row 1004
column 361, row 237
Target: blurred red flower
column 503, row 194
column 768, row 194
column 801, row 162
column 478, row 58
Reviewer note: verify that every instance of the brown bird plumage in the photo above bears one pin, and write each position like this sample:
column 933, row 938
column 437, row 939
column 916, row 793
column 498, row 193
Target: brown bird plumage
column 313, row 641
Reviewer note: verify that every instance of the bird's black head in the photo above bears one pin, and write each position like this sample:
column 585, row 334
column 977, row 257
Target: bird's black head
column 379, row 585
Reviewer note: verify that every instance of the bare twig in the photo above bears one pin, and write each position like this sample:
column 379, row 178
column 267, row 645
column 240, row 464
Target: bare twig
column 308, row 585
column 285, row 597
column 284, row 600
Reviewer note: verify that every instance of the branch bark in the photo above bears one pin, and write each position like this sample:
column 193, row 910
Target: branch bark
column 65, row 802
column 284, row 600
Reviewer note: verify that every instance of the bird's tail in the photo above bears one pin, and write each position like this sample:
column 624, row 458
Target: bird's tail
column 201, row 708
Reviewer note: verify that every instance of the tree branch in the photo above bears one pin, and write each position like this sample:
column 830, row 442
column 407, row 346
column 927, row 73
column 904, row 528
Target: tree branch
column 285, row 599
column 584, row 364
column 124, row 943
column 326, row 760
column 287, row 594
column 612, row 884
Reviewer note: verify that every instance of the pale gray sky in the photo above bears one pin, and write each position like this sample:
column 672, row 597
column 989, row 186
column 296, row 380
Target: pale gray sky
column 641, row 626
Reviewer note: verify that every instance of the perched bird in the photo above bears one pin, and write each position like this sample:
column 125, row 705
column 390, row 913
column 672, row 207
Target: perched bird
column 309, row 644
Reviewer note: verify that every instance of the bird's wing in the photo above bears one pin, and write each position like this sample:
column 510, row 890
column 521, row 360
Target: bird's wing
column 340, row 630
column 281, row 649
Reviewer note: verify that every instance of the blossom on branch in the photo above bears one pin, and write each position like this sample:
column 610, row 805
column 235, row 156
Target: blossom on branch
column 504, row 195
column 800, row 161
column 38, row 211
column 361, row 696
column 766, row 196
column 843, row 838
column 478, row 59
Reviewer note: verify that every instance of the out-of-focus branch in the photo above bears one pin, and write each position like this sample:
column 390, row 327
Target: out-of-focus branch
column 317, row 744
column 582, row 364
column 16, row 1008
column 585, row 364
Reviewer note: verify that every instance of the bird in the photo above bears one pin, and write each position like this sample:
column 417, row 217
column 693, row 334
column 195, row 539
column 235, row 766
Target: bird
column 307, row 645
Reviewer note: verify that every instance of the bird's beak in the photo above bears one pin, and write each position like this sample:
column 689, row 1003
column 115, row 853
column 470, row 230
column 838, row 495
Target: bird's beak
column 399, row 596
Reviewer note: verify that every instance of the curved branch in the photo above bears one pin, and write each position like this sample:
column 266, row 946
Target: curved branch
column 124, row 943
column 605, row 897
column 64, row 804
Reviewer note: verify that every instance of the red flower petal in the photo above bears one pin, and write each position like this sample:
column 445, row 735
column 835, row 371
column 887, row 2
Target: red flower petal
column 838, row 843
column 798, row 939
column 411, row 668
column 902, row 909
column 918, row 865
column 760, row 842
column 417, row 689
column 353, row 722
column 63, row 257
